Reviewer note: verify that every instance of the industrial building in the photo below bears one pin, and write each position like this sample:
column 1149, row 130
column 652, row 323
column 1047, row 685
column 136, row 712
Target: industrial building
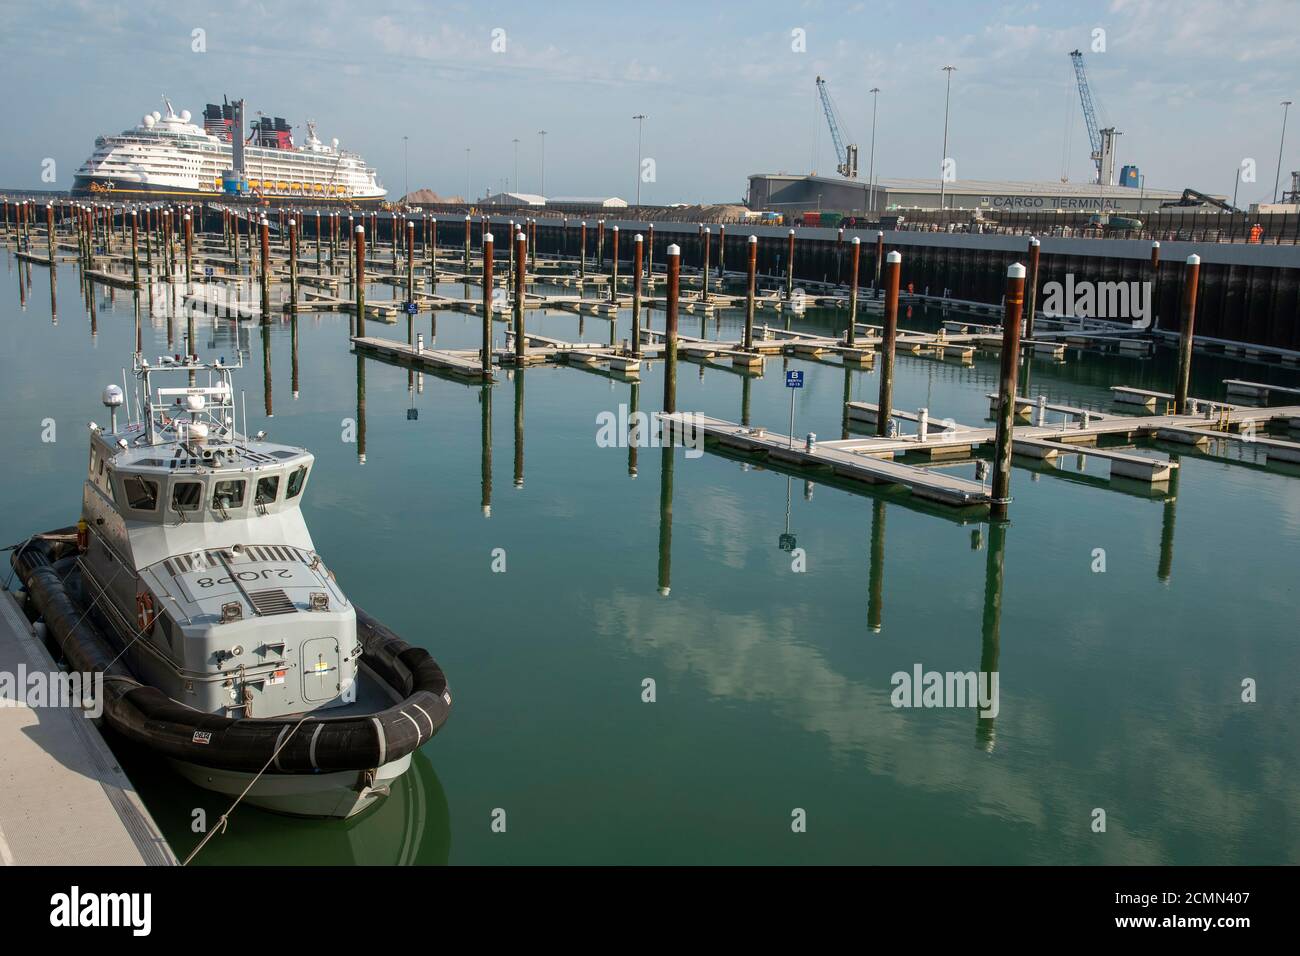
column 797, row 193
column 1110, row 191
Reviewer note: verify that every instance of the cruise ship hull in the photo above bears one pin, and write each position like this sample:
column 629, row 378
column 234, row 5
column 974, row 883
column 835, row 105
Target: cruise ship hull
column 95, row 187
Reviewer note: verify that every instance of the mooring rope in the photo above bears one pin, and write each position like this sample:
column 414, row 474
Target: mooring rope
column 225, row 817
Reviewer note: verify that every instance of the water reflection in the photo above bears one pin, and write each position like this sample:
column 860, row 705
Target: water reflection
column 1168, row 516
column 485, row 407
column 666, row 465
column 876, row 570
column 991, row 632
column 361, row 409
column 519, row 427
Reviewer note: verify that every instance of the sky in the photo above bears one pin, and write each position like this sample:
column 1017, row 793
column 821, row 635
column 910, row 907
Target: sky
column 1194, row 86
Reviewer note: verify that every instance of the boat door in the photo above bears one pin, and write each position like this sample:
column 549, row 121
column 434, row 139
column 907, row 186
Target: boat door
column 320, row 669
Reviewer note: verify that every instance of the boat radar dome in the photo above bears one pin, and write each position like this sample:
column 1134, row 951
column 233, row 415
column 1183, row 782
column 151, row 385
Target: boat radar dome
column 335, row 142
column 112, row 399
column 148, row 120
column 185, row 116
column 156, row 115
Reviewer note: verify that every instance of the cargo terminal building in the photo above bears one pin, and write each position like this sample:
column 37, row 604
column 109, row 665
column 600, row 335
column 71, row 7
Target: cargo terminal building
column 798, row 194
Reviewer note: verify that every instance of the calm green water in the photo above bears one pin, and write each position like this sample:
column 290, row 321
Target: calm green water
column 1119, row 690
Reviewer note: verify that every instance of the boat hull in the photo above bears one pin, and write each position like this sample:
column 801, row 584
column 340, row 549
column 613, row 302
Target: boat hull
column 97, row 187
column 340, row 795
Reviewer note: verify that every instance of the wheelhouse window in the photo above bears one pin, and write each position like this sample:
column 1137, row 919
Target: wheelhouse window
column 294, row 488
column 141, row 493
column 187, row 496
column 267, row 489
column 228, row 494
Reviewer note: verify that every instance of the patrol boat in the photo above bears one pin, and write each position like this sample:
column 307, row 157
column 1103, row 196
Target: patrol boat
column 192, row 585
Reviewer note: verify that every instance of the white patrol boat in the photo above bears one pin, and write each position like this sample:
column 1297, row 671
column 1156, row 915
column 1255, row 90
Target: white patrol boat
column 191, row 583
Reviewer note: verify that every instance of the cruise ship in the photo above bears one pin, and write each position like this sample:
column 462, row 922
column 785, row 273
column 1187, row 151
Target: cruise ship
column 168, row 155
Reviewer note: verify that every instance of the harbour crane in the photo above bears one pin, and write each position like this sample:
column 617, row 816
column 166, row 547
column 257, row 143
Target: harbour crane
column 846, row 156
column 1102, row 140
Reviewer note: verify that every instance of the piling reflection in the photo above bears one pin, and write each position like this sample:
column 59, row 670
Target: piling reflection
column 519, row 427
column 361, row 409
column 634, row 426
column 666, row 463
column 54, row 296
column 293, row 349
column 1167, row 520
column 876, row 571
column 266, row 368
column 485, row 407
column 990, row 644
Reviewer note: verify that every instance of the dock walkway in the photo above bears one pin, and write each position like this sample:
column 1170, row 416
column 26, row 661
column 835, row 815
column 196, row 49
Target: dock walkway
column 63, row 798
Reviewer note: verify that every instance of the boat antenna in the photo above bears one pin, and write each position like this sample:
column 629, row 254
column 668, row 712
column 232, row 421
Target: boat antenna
column 243, row 400
column 126, row 391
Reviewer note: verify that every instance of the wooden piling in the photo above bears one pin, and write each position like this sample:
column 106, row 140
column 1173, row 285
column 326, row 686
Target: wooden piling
column 467, row 231
column 1031, row 287
column 521, row 280
column 189, row 249
column 265, row 266
column 670, row 337
column 613, row 283
column 704, row 287
column 359, row 276
column 885, row 406
column 851, row 339
column 487, row 305
column 637, row 249
column 1191, row 279
column 1015, row 296
column 1155, row 284
column 751, row 279
column 880, row 263
column 650, row 251
column 433, row 254
column 789, row 265
column 49, row 236
column 410, row 262
column 293, row 265
column 135, row 251
column 582, row 256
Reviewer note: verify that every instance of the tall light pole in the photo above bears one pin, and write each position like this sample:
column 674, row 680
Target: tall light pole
column 640, row 120
column 541, row 175
column 516, row 142
column 871, row 169
column 943, row 163
column 1286, row 108
column 406, row 162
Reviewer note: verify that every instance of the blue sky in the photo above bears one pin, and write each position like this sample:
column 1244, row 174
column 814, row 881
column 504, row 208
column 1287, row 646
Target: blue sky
column 1194, row 86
